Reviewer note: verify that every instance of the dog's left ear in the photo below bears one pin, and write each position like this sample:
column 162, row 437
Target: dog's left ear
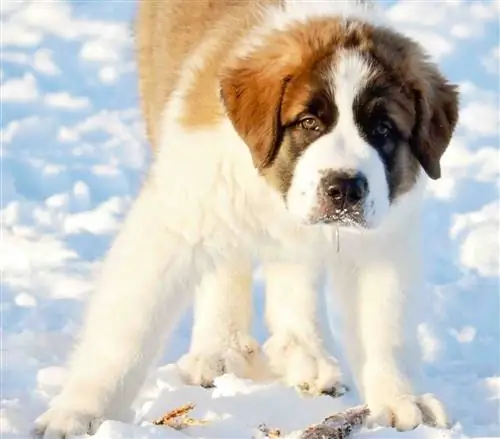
column 437, row 115
column 252, row 95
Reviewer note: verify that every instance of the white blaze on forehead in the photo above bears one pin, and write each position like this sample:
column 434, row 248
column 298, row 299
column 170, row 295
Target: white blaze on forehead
column 350, row 75
column 343, row 149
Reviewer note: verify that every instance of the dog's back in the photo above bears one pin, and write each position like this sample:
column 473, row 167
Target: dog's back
column 168, row 31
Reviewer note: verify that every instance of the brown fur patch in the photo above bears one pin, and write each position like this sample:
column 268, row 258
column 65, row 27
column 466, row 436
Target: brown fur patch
column 203, row 98
column 420, row 102
column 385, row 99
column 435, row 101
column 305, row 96
column 166, row 33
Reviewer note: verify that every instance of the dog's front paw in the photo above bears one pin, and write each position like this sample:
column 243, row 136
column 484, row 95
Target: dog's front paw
column 305, row 366
column 61, row 423
column 406, row 412
column 239, row 356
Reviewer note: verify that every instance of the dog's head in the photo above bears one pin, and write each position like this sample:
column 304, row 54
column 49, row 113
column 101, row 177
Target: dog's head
column 340, row 116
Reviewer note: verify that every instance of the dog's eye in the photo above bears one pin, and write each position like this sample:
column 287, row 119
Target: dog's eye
column 310, row 124
column 382, row 129
column 384, row 136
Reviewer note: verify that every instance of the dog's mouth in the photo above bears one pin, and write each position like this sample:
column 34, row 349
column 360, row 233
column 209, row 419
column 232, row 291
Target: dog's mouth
column 354, row 218
column 339, row 211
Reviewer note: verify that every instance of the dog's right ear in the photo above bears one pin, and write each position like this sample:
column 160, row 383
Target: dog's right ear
column 252, row 94
column 438, row 114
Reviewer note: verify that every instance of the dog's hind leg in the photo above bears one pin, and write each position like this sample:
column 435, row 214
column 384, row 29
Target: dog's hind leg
column 147, row 281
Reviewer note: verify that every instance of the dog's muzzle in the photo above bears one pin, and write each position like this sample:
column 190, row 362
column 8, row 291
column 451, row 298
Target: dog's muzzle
column 341, row 198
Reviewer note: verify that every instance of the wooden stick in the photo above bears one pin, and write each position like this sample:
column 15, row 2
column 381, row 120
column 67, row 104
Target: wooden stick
column 338, row 426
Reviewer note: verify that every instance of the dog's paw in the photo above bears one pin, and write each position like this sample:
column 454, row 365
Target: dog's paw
column 61, row 423
column 241, row 356
column 304, row 366
column 407, row 412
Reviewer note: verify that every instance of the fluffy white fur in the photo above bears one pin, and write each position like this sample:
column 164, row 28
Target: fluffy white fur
column 221, row 340
column 200, row 217
column 295, row 351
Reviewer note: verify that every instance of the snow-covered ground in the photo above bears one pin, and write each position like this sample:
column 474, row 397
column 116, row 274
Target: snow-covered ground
column 73, row 157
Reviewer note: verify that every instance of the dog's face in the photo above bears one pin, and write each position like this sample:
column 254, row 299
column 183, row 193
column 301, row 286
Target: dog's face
column 340, row 117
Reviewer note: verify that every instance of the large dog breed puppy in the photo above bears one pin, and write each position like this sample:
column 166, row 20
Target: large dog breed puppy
column 300, row 134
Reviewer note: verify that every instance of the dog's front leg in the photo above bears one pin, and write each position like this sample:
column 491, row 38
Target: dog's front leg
column 295, row 349
column 384, row 285
column 221, row 341
column 146, row 282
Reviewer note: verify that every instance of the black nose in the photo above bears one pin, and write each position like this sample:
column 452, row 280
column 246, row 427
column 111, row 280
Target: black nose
column 345, row 189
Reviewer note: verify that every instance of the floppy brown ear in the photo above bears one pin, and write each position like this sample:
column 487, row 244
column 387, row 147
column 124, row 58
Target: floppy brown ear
column 253, row 98
column 437, row 114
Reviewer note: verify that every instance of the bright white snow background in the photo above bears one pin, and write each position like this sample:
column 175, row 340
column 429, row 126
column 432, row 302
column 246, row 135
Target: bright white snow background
column 73, row 155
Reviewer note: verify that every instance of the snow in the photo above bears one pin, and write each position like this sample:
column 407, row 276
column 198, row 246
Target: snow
column 73, row 157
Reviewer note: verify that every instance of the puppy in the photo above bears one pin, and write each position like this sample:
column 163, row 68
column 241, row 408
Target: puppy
column 282, row 131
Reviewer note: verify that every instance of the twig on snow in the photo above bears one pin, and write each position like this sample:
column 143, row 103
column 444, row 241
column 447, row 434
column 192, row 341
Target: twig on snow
column 178, row 418
column 338, row 426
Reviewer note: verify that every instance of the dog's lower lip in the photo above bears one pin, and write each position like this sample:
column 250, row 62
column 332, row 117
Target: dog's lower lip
column 342, row 221
column 342, row 217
